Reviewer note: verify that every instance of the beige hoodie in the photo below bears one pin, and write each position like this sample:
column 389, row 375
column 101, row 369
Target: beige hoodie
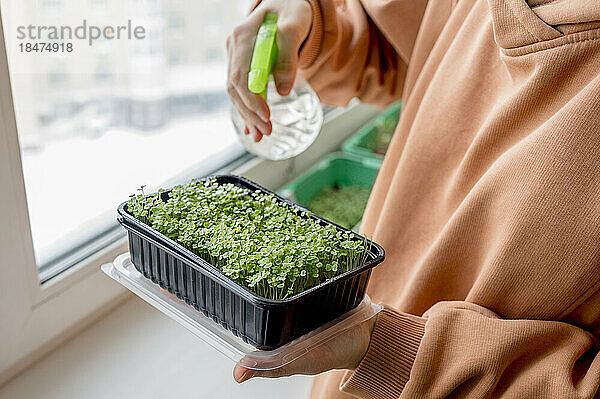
column 488, row 201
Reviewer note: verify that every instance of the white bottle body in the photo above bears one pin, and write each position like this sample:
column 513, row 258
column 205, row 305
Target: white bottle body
column 296, row 118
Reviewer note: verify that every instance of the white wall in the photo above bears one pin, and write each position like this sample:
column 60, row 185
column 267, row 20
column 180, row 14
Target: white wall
column 138, row 353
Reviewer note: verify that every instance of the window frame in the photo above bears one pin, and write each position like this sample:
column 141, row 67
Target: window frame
column 37, row 317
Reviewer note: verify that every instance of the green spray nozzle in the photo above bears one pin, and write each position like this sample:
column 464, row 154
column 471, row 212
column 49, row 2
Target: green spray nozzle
column 263, row 56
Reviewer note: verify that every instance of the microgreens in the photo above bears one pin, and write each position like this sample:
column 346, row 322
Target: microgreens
column 270, row 247
column 342, row 205
column 384, row 128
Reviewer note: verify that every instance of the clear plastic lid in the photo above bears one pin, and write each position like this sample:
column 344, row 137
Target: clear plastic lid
column 203, row 327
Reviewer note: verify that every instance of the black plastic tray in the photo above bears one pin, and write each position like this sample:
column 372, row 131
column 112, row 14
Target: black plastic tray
column 262, row 322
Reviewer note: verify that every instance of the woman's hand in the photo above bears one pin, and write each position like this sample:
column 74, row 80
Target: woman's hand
column 342, row 352
column 293, row 25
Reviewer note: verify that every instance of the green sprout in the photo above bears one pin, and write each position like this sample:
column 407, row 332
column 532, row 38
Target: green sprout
column 383, row 131
column 270, row 247
column 342, row 205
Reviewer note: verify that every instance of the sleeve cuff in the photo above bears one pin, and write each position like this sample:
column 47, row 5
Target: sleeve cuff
column 385, row 369
column 309, row 50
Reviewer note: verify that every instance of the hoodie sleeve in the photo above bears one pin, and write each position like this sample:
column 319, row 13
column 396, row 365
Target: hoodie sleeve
column 360, row 49
column 459, row 349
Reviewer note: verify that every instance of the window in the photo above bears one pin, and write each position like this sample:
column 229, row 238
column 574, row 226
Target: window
column 78, row 165
column 103, row 72
column 156, row 42
column 81, row 129
column 51, row 5
column 176, row 24
column 99, row 4
column 214, row 54
column 175, row 56
column 57, row 78
column 83, row 125
column 149, row 7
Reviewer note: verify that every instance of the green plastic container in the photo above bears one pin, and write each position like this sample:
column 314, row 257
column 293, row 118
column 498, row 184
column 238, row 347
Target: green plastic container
column 359, row 143
column 338, row 169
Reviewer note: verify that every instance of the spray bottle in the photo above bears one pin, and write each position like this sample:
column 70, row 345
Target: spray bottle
column 296, row 118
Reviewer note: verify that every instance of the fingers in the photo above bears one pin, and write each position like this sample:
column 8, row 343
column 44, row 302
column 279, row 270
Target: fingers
column 251, row 107
column 343, row 351
column 240, row 374
column 312, row 363
column 253, row 122
column 239, row 81
column 293, row 26
column 256, row 135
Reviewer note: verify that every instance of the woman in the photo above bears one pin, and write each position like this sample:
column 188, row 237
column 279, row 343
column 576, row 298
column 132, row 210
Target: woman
column 487, row 203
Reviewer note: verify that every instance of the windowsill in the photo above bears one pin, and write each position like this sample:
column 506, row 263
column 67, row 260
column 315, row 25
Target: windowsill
column 136, row 352
column 120, row 345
